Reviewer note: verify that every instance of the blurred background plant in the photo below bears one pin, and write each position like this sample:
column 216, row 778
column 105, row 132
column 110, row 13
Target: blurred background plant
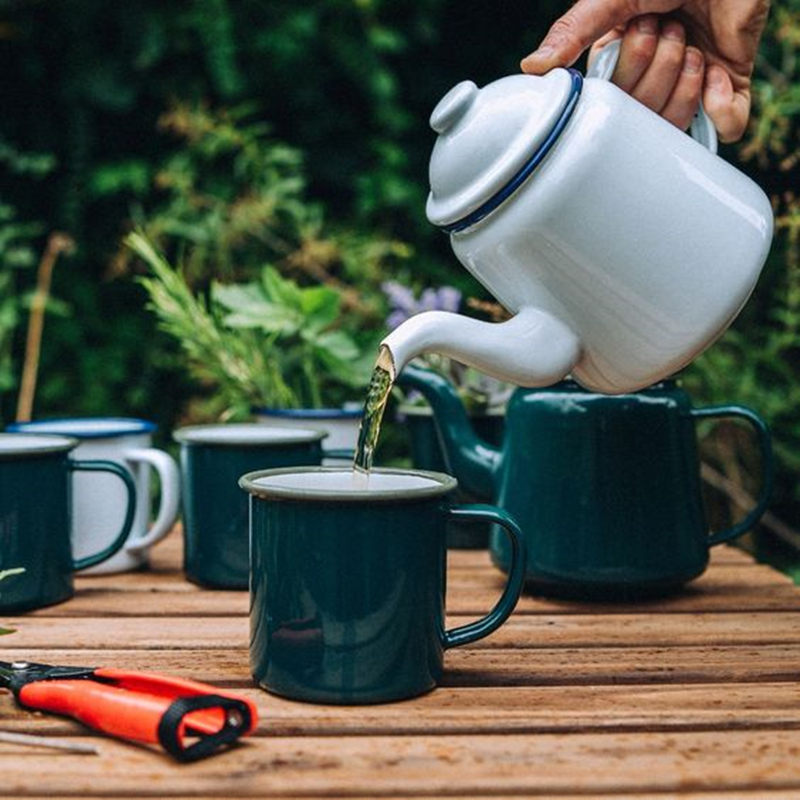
column 266, row 343
column 18, row 257
column 260, row 132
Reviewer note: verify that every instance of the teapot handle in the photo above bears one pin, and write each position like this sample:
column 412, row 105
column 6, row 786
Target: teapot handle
column 702, row 128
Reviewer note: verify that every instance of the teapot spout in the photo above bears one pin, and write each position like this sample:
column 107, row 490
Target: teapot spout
column 531, row 349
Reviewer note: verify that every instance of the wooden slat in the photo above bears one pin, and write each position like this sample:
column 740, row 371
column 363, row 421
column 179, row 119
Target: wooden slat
column 758, row 794
column 584, row 764
column 691, row 696
column 473, row 587
column 544, row 630
column 724, row 595
column 720, row 592
column 533, row 710
column 481, row 667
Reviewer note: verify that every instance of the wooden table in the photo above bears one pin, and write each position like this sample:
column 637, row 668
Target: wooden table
column 697, row 695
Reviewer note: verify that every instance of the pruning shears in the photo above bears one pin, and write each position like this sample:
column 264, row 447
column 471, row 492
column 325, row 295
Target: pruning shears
column 189, row 719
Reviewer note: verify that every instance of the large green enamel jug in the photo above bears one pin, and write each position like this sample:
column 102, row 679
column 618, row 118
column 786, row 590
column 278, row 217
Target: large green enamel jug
column 606, row 488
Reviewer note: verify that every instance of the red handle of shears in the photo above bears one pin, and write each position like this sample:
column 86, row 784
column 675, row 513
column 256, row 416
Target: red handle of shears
column 149, row 708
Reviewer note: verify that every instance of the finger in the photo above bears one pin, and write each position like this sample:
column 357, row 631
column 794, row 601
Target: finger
column 729, row 110
column 636, row 52
column 585, row 22
column 597, row 46
column 659, row 79
column 685, row 98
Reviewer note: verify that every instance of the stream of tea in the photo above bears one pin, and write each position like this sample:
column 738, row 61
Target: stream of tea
column 380, row 386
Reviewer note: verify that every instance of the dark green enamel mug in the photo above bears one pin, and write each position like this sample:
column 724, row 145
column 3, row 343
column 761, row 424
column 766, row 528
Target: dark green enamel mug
column 347, row 587
column 36, row 519
column 213, row 458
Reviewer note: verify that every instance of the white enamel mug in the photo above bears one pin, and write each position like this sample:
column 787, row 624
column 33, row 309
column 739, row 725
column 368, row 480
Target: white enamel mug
column 623, row 245
column 99, row 501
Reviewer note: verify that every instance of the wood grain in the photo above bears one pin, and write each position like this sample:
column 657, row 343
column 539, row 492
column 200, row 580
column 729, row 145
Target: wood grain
column 691, row 696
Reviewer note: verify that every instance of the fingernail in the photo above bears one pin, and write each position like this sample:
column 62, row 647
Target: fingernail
column 543, row 54
column 715, row 77
column 647, row 25
column 673, row 30
column 692, row 61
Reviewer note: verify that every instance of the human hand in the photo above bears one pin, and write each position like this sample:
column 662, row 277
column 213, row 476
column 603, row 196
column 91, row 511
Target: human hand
column 657, row 65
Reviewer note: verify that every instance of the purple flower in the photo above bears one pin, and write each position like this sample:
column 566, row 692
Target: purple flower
column 400, row 297
column 404, row 304
column 396, row 319
column 449, row 299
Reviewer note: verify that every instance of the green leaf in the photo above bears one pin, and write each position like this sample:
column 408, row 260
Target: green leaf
column 280, row 290
column 320, row 306
column 236, row 297
column 337, row 344
column 129, row 175
column 268, row 317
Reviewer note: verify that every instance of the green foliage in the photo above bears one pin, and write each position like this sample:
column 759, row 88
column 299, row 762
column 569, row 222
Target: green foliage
column 239, row 367
column 346, row 87
column 232, row 195
column 312, row 352
column 348, row 83
column 235, row 200
column 13, row 256
column 17, row 255
column 265, row 343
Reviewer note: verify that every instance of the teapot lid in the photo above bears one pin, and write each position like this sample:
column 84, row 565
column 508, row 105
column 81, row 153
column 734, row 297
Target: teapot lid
column 491, row 139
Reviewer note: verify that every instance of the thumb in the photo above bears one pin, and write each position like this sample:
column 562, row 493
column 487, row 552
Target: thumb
column 585, row 22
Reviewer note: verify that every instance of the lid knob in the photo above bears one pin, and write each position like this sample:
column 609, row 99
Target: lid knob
column 488, row 137
column 453, row 106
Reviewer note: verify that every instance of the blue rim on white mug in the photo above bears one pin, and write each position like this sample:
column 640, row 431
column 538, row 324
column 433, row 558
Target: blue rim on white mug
column 86, row 427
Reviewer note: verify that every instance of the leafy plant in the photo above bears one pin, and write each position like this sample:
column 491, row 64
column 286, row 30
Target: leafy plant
column 267, row 343
column 17, row 253
column 302, row 322
column 236, row 198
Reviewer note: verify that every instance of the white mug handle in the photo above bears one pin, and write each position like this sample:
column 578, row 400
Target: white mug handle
column 702, row 128
column 169, row 506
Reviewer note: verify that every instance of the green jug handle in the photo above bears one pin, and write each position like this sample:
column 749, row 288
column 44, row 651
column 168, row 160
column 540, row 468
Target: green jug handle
column 765, row 445
column 516, row 575
column 122, row 536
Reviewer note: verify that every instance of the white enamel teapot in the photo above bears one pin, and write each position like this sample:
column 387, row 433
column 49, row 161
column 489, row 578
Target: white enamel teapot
column 623, row 246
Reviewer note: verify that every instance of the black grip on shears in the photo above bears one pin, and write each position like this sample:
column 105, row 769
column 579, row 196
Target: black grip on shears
column 238, row 721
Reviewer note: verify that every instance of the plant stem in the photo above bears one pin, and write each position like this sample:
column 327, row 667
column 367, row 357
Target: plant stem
column 57, row 243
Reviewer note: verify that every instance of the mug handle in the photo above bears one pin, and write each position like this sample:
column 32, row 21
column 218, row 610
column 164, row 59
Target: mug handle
column 765, row 445
column 702, row 128
column 169, row 507
column 516, row 575
column 130, row 486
